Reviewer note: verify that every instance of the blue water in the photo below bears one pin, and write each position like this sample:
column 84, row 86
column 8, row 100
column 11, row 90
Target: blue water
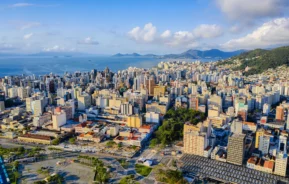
column 46, row 65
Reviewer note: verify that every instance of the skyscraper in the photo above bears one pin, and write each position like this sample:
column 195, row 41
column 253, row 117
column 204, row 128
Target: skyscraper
column 281, row 164
column 194, row 102
column 279, row 113
column 196, row 138
column 236, row 145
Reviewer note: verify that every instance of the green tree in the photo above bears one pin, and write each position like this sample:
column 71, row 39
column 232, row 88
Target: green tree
column 72, row 140
column 16, row 165
column 119, row 145
column 16, row 175
column 153, row 142
column 110, row 143
column 40, row 182
column 173, row 125
column 55, row 141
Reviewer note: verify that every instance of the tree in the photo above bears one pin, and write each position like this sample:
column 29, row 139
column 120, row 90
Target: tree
column 16, row 175
column 72, row 140
column 119, row 145
column 55, row 141
column 153, row 142
column 40, row 182
column 16, row 165
column 128, row 180
column 21, row 149
column 173, row 125
column 110, row 143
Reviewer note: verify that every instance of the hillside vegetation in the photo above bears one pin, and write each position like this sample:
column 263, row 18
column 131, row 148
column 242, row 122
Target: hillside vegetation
column 259, row 60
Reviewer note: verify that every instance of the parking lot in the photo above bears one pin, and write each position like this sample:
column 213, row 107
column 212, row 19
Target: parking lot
column 72, row 172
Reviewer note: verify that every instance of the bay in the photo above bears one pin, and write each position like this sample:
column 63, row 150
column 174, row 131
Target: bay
column 58, row 65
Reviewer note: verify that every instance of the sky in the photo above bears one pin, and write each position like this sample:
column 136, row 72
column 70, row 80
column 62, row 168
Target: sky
column 142, row 26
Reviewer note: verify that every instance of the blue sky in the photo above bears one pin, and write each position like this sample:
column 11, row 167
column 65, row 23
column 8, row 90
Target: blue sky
column 150, row 26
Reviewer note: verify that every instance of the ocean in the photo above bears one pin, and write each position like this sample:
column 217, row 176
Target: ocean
column 58, row 65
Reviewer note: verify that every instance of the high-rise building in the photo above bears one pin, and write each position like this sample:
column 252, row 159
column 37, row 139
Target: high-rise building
column 282, row 146
column 2, row 106
column 196, row 138
column 58, row 118
column 150, row 84
column 242, row 115
column 259, row 134
column 264, row 143
column 279, row 113
column 217, row 101
column 266, row 109
column 84, row 101
column 281, row 164
column 152, row 117
column 126, row 108
column 134, row 121
column 237, row 127
column 38, row 107
column 159, row 91
column 194, row 102
column 236, row 145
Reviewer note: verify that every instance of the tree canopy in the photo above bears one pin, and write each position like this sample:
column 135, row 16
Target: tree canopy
column 173, row 125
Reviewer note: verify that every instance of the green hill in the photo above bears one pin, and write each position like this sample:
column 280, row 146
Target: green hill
column 259, row 60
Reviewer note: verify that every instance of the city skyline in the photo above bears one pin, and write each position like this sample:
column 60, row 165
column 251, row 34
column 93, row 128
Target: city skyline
column 109, row 27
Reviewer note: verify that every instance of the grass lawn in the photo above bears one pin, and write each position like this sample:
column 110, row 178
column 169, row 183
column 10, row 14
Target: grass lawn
column 143, row 170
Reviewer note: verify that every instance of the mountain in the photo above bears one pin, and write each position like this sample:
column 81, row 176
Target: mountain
column 127, row 55
column 259, row 60
column 189, row 54
column 197, row 54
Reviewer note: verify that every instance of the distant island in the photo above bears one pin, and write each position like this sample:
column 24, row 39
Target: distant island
column 189, row 54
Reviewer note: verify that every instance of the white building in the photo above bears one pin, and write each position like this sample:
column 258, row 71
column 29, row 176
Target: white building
column 152, row 117
column 126, row 108
column 264, row 143
column 58, row 118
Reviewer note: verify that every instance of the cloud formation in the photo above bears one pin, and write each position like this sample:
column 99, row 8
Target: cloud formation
column 146, row 34
column 28, row 25
column 27, row 36
column 208, row 31
column 6, row 47
column 57, row 48
column 88, row 41
column 149, row 34
column 248, row 10
column 275, row 32
column 19, row 5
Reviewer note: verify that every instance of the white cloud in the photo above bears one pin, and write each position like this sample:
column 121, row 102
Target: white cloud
column 208, row 31
column 88, row 41
column 248, row 10
column 57, row 48
column 275, row 32
column 6, row 47
column 166, row 34
column 28, row 25
column 17, row 5
column 181, row 38
column 147, row 34
column 27, row 36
